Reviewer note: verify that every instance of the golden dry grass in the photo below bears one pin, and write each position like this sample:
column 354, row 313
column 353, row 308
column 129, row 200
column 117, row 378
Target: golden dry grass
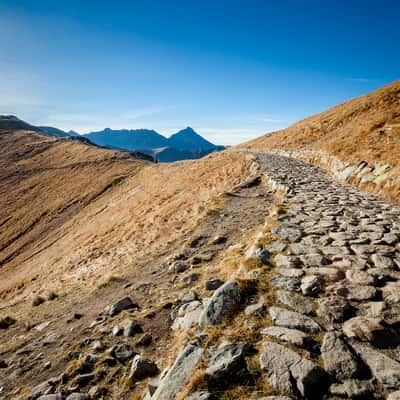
column 72, row 213
column 364, row 128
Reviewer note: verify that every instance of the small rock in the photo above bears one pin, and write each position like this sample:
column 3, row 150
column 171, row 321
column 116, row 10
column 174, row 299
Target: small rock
column 371, row 330
column 213, row 284
column 190, row 296
column 132, row 328
column 352, row 291
column 202, row 395
column 292, row 336
column 275, row 247
column 293, row 320
column 124, row 304
column 284, row 261
column 142, row 368
column 78, row 396
column 144, row 340
column 123, row 352
column 330, row 274
column 286, row 283
column 391, row 293
column 41, row 390
column 255, row 308
column 178, row 267
column 311, row 285
column 381, row 261
column 187, row 316
column 394, row 395
column 359, row 277
column 291, row 272
column 117, row 330
column 219, row 239
column 84, row 379
column 296, row 301
column 353, row 389
column 190, row 278
column 98, row 345
column 264, row 256
column 314, row 260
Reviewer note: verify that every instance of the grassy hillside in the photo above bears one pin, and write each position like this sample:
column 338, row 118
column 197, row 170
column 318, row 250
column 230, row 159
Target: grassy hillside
column 365, row 128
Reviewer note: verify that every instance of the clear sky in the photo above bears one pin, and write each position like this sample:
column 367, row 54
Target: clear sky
column 232, row 70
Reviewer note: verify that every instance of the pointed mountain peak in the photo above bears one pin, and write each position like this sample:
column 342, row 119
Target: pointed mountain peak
column 188, row 138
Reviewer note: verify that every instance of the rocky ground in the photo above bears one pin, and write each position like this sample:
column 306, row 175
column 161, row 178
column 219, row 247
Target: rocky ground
column 309, row 310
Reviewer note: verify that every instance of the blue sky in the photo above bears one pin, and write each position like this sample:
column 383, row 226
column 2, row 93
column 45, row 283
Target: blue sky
column 232, row 70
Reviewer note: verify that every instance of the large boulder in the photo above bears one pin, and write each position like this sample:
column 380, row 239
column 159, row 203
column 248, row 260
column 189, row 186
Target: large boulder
column 179, row 373
column 224, row 300
column 228, row 364
column 187, row 316
column 339, row 360
column 290, row 373
column 385, row 369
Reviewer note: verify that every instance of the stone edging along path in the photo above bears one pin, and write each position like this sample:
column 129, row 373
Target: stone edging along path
column 333, row 328
column 383, row 179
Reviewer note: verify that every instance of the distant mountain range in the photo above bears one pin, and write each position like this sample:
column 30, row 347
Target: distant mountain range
column 183, row 145
column 57, row 132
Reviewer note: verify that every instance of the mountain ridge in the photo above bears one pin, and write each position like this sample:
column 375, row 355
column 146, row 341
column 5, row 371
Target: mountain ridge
column 182, row 145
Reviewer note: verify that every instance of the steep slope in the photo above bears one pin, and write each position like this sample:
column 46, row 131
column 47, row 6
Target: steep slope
column 365, row 128
column 45, row 181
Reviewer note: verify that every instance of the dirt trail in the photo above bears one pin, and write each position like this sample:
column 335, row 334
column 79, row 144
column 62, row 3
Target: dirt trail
column 154, row 285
